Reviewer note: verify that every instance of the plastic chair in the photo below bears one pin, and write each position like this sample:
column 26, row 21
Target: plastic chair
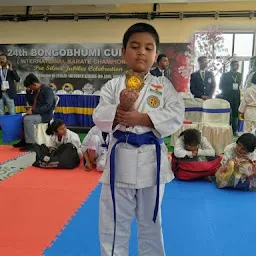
column 77, row 92
column 216, row 123
column 61, row 92
column 194, row 114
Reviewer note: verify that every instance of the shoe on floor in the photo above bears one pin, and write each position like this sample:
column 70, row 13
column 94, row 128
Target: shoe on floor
column 20, row 144
column 28, row 147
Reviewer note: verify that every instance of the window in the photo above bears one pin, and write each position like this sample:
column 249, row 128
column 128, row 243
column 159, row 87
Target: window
column 240, row 46
column 228, row 45
column 243, row 45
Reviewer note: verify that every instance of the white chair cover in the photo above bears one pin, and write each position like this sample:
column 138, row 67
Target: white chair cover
column 40, row 129
column 77, row 92
column 220, row 137
column 216, row 127
column 193, row 110
column 216, row 111
column 97, row 93
column 61, row 92
column 184, row 127
column 186, row 95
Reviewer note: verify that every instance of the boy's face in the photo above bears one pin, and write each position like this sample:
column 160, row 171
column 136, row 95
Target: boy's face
column 62, row 130
column 140, row 52
column 240, row 149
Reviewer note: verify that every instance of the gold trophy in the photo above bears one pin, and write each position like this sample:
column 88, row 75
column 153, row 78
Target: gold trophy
column 134, row 80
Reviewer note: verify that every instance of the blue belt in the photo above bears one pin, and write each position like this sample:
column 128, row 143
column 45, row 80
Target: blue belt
column 136, row 140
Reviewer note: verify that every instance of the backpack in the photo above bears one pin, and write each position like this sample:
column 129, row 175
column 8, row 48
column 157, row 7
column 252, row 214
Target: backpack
column 64, row 157
column 237, row 173
column 196, row 167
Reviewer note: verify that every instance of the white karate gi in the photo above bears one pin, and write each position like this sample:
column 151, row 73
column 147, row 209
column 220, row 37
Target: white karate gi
column 248, row 107
column 70, row 137
column 229, row 153
column 94, row 141
column 205, row 148
column 135, row 168
column 248, row 82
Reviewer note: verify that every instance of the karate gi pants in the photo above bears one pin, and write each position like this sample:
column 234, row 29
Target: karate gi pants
column 130, row 203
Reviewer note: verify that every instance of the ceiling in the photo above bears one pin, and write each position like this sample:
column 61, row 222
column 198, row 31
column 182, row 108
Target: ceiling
column 99, row 2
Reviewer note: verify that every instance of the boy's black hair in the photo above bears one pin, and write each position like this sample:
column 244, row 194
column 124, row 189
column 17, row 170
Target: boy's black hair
column 191, row 137
column 3, row 54
column 141, row 28
column 30, row 79
column 53, row 127
column 201, row 58
column 248, row 140
column 160, row 56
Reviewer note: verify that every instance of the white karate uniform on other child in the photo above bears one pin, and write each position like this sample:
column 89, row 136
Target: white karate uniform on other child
column 205, row 148
column 135, row 168
column 229, row 153
column 70, row 137
column 95, row 141
column 248, row 108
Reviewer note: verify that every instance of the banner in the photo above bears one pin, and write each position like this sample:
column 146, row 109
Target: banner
column 84, row 67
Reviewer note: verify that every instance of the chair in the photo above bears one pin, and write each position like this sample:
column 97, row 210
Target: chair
column 61, row 92
column 193, row 113
column 186, row 95
column 40, row 129
column 194, row 110
column 97, row 93
column 216, row 123
column 77, row 92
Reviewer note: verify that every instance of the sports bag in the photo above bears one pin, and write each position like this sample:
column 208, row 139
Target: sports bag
column 196, row 167
column 64, row 157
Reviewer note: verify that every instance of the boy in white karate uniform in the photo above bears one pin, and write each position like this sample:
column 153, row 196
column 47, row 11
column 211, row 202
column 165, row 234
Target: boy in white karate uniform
column 137, row 167
column 94, row 148
column 243, row 147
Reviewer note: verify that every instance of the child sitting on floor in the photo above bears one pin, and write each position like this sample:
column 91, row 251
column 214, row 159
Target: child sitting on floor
column 190, row 143
column 238, row 169
column 243, row 147
column 94, row 148
column 61, row 135
column 194, row 157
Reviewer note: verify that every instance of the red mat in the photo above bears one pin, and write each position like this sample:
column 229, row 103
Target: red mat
column 36, row 204
column 8, row 153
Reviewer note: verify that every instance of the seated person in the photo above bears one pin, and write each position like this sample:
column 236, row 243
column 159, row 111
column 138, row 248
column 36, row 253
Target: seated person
column 41, row 99
column 194, row 157
column 94, row 148
column 243, row 147
column 61, row 135
column 190, row 143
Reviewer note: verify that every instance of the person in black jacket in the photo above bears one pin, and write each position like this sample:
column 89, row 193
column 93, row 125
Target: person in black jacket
column 162, row 66
column 202, row 82
column 41, row 99
column 8, row 77
column 230, row 83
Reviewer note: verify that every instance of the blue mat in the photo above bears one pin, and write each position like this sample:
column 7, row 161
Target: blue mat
column 198, row 220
